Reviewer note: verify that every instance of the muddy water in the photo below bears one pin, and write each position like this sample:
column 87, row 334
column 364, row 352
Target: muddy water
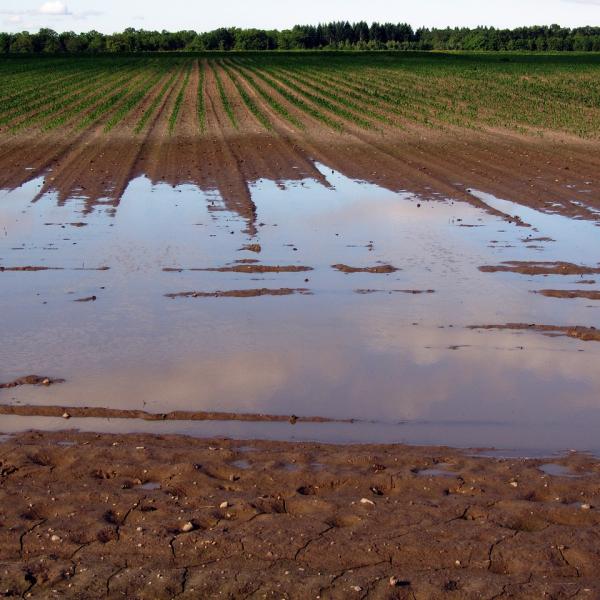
column 403, row 364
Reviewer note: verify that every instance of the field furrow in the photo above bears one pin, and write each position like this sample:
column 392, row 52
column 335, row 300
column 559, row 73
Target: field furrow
column 436, row 124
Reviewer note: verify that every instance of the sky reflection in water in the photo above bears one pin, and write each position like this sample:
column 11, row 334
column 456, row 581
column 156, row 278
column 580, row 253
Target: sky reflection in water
column 380, row 357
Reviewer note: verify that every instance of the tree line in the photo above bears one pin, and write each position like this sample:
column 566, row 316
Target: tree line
column 340, row 35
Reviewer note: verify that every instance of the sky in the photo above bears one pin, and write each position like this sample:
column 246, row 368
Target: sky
column 109, row 16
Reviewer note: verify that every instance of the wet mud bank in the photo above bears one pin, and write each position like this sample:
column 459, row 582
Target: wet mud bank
column 169, row 516
column 586, row 334
column 430, row 164
column 251, row 293
column 30, row 380
column 88, row 412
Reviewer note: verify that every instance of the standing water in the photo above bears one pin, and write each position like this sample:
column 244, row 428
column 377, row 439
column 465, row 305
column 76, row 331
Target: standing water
column 129, row 317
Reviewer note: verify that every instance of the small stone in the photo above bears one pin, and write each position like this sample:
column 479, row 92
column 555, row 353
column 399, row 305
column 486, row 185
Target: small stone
column 187, row 527
column 46, row 382
column 356, row 588
column 397, row 582
column 55, row 538
column 367, row 501
column 514, row 484
column 224, row 505
column 585, row 507
column 66, row 415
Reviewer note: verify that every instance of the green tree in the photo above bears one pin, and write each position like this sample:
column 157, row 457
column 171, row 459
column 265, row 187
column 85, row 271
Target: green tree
column 22, row 43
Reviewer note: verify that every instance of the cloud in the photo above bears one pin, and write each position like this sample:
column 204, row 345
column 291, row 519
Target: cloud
column 54, row 7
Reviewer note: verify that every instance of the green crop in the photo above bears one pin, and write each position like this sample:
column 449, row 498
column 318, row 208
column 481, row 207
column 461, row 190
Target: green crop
column 224, row 99
column 532, row 94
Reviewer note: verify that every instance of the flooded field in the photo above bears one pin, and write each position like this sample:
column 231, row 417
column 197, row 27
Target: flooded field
column 391, row 317
column 300, row 325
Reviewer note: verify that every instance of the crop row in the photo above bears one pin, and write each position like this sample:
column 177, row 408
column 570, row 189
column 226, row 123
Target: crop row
column 340, row 92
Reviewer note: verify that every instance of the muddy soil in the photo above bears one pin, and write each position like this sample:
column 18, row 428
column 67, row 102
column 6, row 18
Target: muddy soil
column 414, row 292
column 105, row 516
column 247, row 268
column 585, row 334
column 30, row 380
column 35, row 269
column 431, row 165
column 251, row 293
column 571, row 294
column 375, row 269
column 540, row 268
column 116, row 413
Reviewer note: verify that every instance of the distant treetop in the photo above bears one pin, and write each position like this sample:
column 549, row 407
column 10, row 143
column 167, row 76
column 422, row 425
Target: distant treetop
column 340, row 35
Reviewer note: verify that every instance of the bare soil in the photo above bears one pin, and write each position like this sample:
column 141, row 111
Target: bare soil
column 35, row 269
column 85, row 412
column 540, row 268
column 30, row 380
column 414, row 292
column 248, row 268
column 250, row 293
column 381, row 269
column 551, row 174
column 585, row 334
column 106, row 516
column 570, row 294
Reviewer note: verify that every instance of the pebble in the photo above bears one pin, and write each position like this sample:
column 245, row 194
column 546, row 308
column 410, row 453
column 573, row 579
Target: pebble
column 55, row 538
column 585, row 507
column 224, row 505
column 189, row 526
column 66, row 415
column 367, row 501
column 356, row 588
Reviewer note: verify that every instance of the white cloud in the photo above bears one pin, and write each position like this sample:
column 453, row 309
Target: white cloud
column 47, row 13
column 54, row 7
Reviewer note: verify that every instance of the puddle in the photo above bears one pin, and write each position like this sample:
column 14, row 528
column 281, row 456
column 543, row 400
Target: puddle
column 290, row 468
column 556, row 470
column 241, row 464
column 388, row 360
column 525, row 453
column 150, row 485
column 4, row 438
column 66, row 444
column 440, row 470
column 581, row 506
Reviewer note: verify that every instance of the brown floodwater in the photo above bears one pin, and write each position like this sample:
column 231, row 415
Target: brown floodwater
column 170, row 322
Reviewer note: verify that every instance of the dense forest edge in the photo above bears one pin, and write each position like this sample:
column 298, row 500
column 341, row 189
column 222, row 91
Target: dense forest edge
column 329, row 36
